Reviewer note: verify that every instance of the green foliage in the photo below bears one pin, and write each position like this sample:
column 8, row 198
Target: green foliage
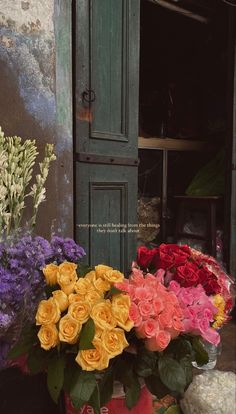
column 83, row 269
column 106, row 386
column 55, row 376
column 145, row 363
column 87, row 335
column 201, row 356
column 172, row 374
column 82, row 388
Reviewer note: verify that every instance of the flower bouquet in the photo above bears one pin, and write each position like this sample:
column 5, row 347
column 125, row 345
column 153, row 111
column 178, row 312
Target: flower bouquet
column 22, row 283
column 96, row 330
column 199, row 282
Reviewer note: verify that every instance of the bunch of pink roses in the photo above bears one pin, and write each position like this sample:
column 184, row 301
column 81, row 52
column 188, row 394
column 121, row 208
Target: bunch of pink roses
column 155, row 310
column 198, row 311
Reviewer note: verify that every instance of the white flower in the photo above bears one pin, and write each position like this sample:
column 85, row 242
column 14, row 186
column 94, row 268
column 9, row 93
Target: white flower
column 212, row 392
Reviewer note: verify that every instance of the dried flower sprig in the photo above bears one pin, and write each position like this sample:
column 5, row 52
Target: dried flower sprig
column 17, row 160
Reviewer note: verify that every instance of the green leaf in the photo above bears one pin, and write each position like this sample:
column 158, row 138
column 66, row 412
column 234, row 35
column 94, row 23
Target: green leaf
column 37, row 360
column 179, row 347
column 83, row 269
column 95, row 400
column 132, row 392
column 82, row 389
column 113, row 291
column 72, row 372
column 106, row 386
column 186, row 364
column 87, row 335
column 172, row 374
column 55, row 377
column 25, row 343
column 156, row 387
column 173, row 409
column 146, row 362
column 201, row 355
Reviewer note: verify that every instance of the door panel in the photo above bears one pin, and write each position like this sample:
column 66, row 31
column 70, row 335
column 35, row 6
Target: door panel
column 106, row 112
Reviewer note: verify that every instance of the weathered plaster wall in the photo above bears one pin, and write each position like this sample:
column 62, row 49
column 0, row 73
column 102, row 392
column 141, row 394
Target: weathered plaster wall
column 35, row 93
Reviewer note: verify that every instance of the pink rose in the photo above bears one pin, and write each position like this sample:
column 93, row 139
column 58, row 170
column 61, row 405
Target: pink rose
column 145, row 309
column 136, row 277
column 159, row 275
column 165, row 318
column 185, row 297
column 148, row 329
column 159, row 342
column 174, row 287
column 212, row 336
column 143, row 293
column 158, row 305
column 134, row 315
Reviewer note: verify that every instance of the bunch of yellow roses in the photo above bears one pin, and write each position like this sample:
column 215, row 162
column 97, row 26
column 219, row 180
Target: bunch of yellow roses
column 78, row 301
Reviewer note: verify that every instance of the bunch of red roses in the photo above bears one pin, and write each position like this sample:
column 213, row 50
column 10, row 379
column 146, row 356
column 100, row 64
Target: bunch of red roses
column 188, row 267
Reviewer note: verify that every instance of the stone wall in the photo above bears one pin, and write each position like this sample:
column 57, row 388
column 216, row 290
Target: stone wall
column 35, row 93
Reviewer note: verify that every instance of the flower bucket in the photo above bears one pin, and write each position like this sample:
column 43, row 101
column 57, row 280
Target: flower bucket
column 116, row 405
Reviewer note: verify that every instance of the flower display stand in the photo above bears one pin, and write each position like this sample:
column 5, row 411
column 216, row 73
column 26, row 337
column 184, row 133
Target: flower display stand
column 117, row 406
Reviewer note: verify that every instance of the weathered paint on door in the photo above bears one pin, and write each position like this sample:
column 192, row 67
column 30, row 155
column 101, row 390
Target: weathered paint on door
column 107, row 62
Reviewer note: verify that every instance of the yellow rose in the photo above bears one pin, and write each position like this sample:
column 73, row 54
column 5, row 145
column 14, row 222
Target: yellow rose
column 80, row 311
column 98, row 332
column 91, row 276
column 62, row 299
column 50, row 273
column 114, row 341
column 101, row 269
column 113, row 276
column 69, row 329
column 102, row 315
column 93, row 297
column 120, row 309
column 48, row 336
column 102, row 285
column 82, row 286
column 93, row 359
column 48, row 312
column 75, row 297
column 67, row 277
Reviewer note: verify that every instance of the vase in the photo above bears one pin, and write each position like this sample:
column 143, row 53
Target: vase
column 213, row 352
column 116, row 405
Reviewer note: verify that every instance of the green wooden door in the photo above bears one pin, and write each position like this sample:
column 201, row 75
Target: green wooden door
column 107, row 61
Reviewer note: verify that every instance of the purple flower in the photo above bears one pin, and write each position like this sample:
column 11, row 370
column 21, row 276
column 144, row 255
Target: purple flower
column 66, row 249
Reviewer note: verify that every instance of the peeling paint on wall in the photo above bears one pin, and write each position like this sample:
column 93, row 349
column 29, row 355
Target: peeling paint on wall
column 35, row 91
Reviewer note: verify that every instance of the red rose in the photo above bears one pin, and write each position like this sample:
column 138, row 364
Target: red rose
column 211, row 286
column 145, row 256
column 187, row 275
column 171, row 255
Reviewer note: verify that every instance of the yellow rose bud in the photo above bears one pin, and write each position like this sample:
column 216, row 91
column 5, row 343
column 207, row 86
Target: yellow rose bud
column 93, row 297
column 114, row 341
column 113, row 276
column 80, row 311
column 67, row 277
column 50, row 273
column 93, row 359
column 82, row 286
column 75, row 297
column 69, row 329
column 48, row 336
column 102, row 285
column 61, row 298
column 120, row 309
column 48, row 312
column 91, row 276
column 101, row 269
column 102, row 315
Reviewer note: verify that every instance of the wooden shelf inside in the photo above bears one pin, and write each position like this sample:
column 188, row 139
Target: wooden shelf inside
column 174, row 144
